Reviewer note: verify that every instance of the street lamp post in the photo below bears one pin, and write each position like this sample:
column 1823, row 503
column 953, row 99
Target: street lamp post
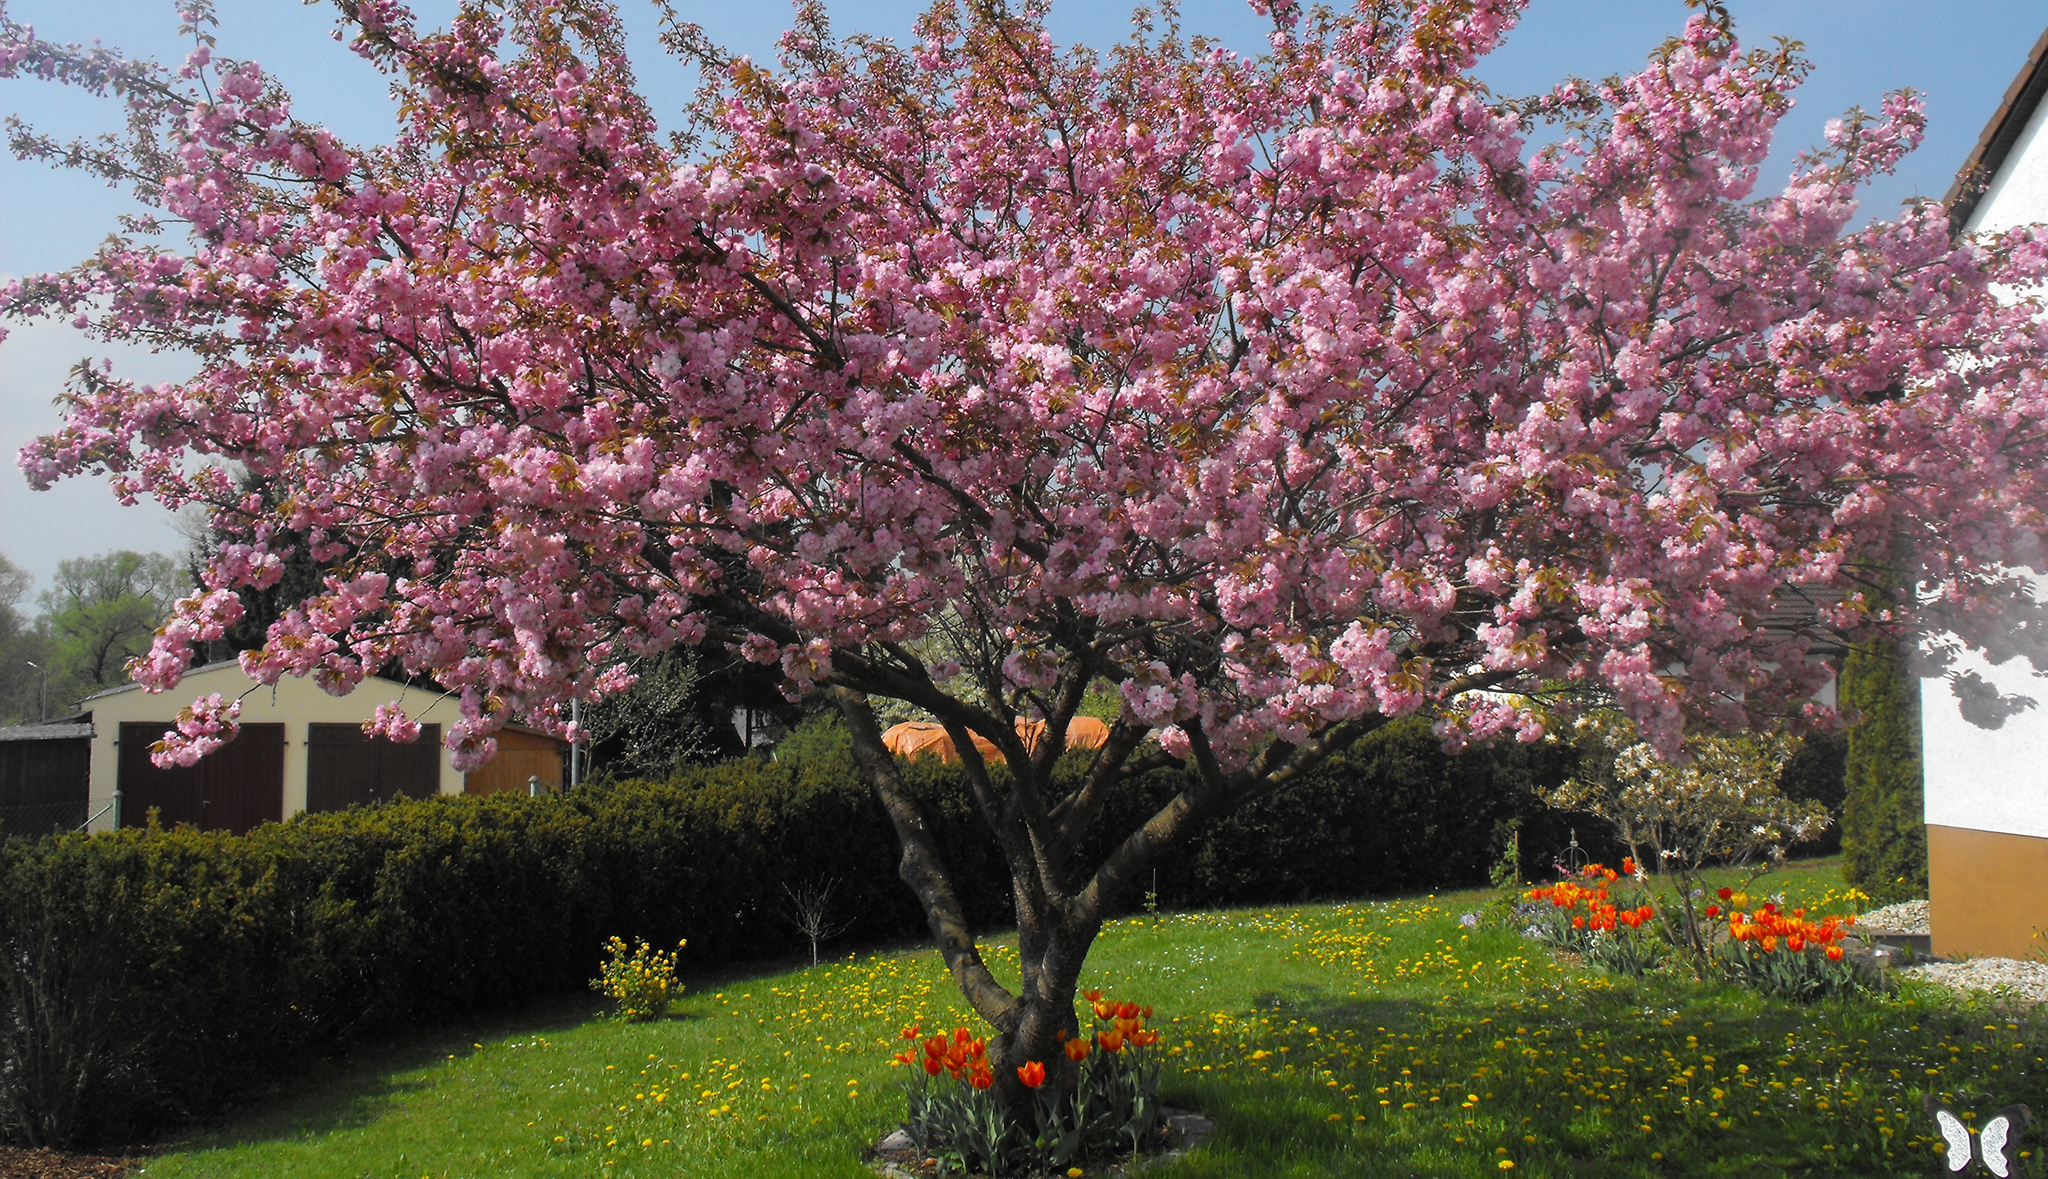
column 575, row 721
column 43, row 705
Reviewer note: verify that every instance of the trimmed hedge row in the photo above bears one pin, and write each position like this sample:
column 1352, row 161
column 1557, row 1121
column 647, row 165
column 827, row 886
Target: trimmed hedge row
column 147, row 977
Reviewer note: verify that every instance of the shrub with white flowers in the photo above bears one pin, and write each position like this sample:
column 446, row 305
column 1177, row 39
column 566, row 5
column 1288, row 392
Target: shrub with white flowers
column 1717, row 802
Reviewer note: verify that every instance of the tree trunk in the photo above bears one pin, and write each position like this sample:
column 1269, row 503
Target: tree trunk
column 1060, row 905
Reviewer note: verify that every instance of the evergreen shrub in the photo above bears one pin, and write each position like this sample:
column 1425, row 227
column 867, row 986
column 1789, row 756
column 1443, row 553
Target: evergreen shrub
column 1884, row 830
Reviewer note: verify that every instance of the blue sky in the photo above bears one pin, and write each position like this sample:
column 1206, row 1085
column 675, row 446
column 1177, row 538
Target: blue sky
column 1960, row 56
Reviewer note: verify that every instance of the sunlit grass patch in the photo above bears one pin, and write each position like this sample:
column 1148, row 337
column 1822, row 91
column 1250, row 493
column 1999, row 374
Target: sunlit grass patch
column 1376, row 1038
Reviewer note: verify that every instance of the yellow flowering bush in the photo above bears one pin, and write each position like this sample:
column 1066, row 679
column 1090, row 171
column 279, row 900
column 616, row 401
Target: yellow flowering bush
column 641, row 978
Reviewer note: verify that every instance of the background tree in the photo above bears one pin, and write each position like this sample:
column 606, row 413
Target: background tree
column 1281, row 395
column 679, row 711
column 21, row 686
column 102, row 611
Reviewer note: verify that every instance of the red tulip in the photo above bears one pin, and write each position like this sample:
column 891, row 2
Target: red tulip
column 1032, row 1074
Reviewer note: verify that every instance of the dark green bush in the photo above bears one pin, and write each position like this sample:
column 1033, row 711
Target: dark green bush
column 1815, row 773
column 1884, row 831
column 149, row 976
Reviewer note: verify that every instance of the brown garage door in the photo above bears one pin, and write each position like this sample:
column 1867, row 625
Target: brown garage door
column 233, row 788
column 345, row 768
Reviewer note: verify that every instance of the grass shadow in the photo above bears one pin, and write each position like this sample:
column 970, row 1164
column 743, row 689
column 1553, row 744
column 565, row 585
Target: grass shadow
column 353, row 1088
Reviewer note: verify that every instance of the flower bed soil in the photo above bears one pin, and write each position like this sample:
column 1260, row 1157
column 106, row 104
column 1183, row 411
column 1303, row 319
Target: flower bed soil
column 1181, row 1130
column 19, row 1163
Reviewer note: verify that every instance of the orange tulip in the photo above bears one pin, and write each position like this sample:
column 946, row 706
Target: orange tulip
column 1795, row 943
column 1770, row 943
column 981, row 1078
column 1093, row 994
column 1111, row 1042
column 1077, row 1050
column 1834, row 953
column 932, row 1067
column 909, row 1033
column 1032, row 1074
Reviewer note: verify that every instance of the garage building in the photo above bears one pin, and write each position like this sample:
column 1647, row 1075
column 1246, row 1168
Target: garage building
column 299, row 749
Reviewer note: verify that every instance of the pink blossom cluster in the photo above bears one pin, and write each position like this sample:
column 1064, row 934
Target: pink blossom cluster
column 1278, row 392
column 202, row 726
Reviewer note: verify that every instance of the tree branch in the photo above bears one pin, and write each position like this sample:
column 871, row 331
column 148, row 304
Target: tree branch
column 922, row 868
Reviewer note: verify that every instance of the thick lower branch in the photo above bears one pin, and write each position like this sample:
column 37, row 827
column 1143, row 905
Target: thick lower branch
column 922, row 869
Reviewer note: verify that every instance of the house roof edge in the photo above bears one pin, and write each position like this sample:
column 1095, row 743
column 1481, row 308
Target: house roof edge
column 1993, row 147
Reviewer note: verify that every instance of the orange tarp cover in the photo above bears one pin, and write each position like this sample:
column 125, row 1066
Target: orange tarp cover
column 912, row 738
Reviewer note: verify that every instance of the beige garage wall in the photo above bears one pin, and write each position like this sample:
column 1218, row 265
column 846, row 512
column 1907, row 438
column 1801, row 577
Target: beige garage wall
column 293, row 702
column 1987, row 893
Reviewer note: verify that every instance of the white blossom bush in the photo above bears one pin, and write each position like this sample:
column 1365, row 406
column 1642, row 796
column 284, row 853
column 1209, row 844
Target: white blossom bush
column 1716, row 802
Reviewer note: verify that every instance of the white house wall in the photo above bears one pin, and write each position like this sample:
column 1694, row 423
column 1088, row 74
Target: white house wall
column 1986, row 779
column 1994, row 779
column 293, row 702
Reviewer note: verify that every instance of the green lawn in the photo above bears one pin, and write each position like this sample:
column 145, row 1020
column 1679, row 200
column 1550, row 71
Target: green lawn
column 1368, row 1039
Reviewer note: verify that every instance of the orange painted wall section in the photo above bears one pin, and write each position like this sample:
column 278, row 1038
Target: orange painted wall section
column 520, row 755
column 1987, row 894
column 915, row 738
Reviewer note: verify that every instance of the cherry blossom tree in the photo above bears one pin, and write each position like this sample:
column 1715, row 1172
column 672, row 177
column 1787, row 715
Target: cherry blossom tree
column 1280, row 395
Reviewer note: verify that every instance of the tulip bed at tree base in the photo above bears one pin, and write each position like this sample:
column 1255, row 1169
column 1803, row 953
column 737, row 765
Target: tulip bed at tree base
column 1113, row 1107
column 1371, row 1039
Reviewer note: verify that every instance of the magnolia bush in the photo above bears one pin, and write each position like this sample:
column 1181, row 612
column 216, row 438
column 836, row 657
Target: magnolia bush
column 1716, row 802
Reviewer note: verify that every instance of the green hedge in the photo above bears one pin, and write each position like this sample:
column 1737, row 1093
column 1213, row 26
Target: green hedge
column 148, row 977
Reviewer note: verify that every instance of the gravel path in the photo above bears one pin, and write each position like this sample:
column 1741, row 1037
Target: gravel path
column 1904, row 917
column 2025, row 981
